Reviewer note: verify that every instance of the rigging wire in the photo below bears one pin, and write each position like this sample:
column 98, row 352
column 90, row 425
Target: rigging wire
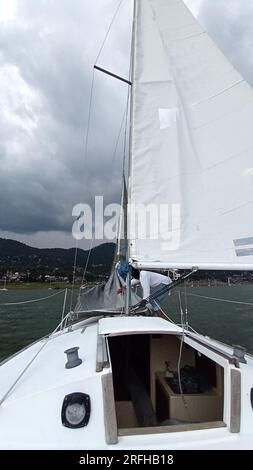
column 85, row 155
column 186, row 307
column 32, row 360
column 180, row 352
column 186, row 294
column 33, row 300
column 181, row 308
column 122, row 219
column 118, row 138
column 85, row 158
column 64, row 306
column 73, row 278
column 89, row 119
column 180, row 358
column 128, row 284
column 87, row 261
column 220, row 300
column 106, row 36
column 127, row 112
column 87, row 135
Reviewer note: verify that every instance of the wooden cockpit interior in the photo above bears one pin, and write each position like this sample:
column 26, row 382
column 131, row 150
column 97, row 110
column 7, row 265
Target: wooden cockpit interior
column 146, row 397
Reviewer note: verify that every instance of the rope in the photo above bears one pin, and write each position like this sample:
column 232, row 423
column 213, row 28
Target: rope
column 194, row 331
column 32, row 301
column 220, row 300
column 163, row 312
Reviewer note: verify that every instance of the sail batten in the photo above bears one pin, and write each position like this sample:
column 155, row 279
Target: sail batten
column 191, row 166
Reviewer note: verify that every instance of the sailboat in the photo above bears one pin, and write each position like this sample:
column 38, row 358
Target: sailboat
column 4, row 288
column 112, row 377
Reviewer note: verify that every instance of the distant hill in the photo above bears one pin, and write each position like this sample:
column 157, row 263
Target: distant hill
column 16, row 256
column 39, row 262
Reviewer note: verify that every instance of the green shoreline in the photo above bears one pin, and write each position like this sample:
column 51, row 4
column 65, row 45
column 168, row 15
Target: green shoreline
column 41, row 285
column 68, row 285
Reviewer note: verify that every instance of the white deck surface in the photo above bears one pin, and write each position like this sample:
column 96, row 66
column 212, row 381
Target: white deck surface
column 136, row 325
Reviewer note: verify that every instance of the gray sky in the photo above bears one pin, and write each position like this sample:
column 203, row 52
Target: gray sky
column 47, row 50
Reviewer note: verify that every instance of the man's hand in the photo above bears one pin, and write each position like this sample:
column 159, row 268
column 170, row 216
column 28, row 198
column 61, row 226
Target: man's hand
column 143, row 303
column 121, row 290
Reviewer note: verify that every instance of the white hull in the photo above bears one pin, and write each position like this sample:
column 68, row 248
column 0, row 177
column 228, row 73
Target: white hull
column 30, row 415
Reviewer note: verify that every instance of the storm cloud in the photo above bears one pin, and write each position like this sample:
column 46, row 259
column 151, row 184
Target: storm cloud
column 47, row 52
column 229, row 23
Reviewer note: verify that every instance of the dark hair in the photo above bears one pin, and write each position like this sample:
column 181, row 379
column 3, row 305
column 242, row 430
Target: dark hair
column 135, row 273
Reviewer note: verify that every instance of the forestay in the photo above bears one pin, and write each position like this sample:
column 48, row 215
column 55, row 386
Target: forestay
column 191, row 146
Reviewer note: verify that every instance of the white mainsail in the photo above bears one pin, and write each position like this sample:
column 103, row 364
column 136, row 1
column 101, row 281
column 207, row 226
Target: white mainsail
column 191, row 165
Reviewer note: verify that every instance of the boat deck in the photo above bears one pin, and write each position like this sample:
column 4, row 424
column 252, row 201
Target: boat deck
column 30, row 416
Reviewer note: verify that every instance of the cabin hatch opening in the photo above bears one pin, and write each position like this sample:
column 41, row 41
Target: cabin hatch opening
column 146, row 385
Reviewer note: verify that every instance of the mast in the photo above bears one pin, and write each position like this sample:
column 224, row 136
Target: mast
column 128, row 280
column 122, row 229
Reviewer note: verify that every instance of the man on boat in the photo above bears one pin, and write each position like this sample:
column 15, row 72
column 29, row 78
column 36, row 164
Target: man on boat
column 150, row 282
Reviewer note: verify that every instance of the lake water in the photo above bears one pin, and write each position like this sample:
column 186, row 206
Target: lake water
column 22, row 324
column 229, row 322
